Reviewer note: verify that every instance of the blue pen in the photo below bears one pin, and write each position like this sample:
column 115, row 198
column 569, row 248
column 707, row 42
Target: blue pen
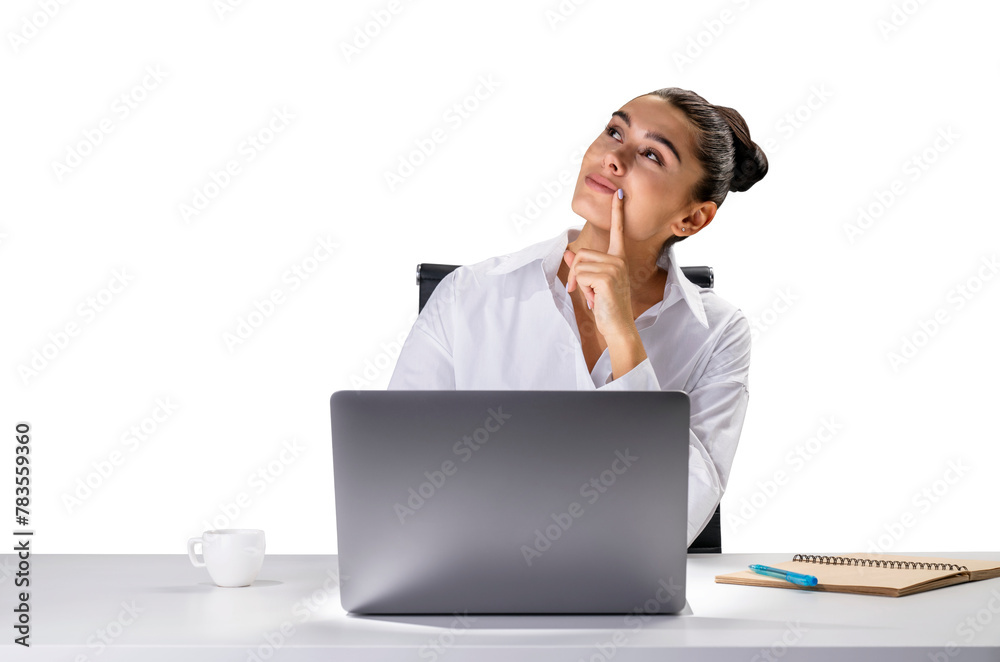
column 794, row 577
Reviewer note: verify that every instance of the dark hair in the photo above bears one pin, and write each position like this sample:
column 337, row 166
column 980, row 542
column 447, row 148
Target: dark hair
column 731, row 160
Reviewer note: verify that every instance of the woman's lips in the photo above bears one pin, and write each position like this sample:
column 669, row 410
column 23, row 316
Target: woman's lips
column 600, row 188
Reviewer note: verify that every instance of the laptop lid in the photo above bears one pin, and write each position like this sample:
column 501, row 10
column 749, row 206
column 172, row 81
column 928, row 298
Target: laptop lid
column 511, row 502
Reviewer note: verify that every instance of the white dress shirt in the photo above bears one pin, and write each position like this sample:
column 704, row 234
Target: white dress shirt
column 507, row 323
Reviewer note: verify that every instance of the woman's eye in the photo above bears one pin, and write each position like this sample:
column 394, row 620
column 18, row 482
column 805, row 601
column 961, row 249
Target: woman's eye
column 611, row 131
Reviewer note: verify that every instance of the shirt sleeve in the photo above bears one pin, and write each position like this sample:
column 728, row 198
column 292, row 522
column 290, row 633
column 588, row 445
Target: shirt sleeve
column 426, row 360
column 718, row 407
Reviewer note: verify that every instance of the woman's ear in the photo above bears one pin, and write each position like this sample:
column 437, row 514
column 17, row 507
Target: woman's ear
column 699, row 217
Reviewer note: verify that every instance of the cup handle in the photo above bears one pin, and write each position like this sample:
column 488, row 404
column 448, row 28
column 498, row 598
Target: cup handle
column 191, row 553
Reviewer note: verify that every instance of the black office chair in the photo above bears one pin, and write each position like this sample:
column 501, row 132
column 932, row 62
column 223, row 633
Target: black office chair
column 709, row 541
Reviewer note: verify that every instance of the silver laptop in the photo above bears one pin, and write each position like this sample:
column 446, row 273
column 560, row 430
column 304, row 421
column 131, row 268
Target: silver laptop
column 511, row 502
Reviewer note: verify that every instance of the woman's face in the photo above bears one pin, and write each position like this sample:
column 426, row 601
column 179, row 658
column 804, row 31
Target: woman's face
column 656, row 180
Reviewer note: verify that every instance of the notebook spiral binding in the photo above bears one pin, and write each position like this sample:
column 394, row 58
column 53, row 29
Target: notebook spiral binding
column 876, row 563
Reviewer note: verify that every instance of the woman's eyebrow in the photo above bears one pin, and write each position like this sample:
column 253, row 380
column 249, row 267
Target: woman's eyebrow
column 649, row 134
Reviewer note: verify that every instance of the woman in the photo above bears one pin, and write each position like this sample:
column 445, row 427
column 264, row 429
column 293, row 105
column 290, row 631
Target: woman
column 606, row 307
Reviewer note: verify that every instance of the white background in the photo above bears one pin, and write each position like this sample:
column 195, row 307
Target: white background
column 841, row 104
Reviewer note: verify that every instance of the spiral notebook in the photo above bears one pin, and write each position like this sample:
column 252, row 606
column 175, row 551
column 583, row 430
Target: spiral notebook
column 872, row 574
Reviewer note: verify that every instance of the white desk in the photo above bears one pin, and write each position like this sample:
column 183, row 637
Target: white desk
column 182, row 616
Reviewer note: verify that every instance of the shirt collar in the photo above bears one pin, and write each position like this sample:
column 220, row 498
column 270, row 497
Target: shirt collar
column 551, row 251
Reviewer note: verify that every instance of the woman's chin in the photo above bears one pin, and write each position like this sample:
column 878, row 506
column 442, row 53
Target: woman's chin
column 586, row 209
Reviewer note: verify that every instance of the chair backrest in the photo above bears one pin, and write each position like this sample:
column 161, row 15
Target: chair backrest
column 429, row 274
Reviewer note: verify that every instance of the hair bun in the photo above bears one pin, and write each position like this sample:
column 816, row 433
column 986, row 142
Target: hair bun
column 750, row 168
column 750, row 163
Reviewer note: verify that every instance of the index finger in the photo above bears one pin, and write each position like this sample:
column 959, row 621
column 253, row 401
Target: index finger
column 616, row 244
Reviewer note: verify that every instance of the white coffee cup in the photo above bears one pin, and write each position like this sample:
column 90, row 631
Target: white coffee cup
column 233, row 556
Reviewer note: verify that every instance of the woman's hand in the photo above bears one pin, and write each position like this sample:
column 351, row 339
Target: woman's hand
column 604, row 278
